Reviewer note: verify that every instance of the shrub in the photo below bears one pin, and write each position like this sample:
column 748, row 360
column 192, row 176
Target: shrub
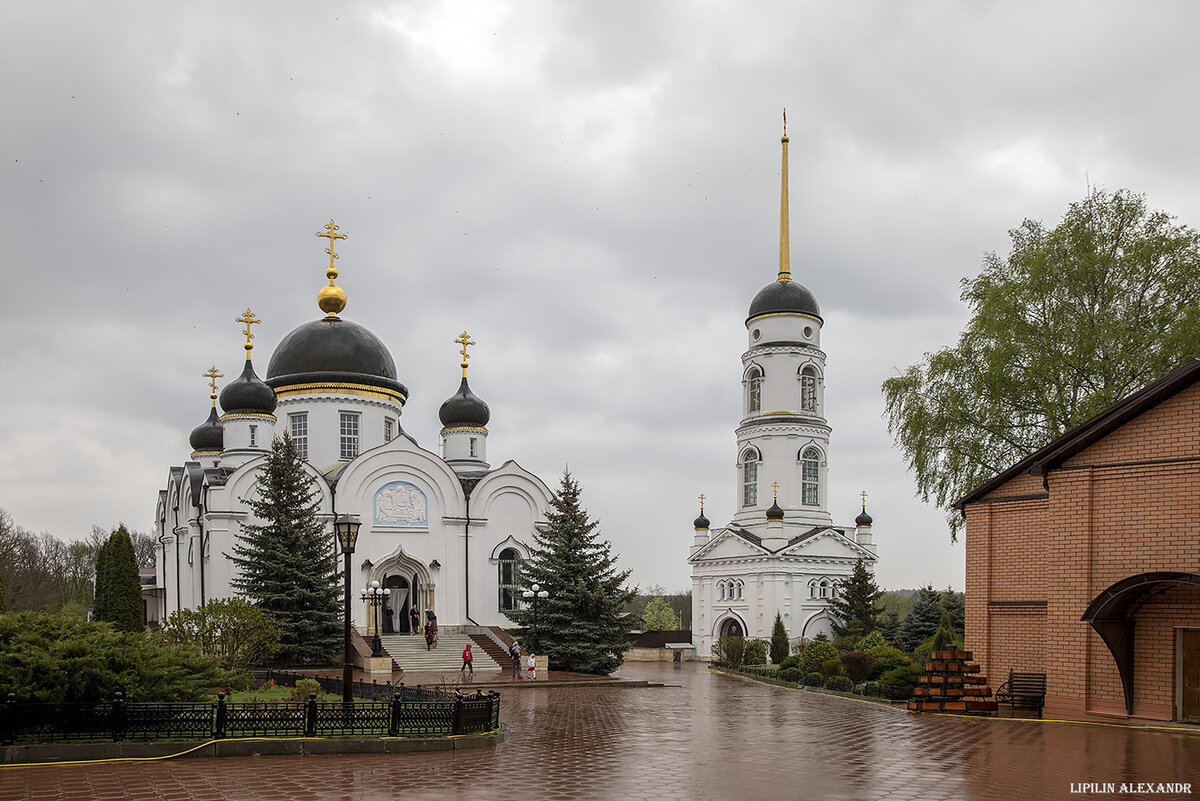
column 899, row 682
column 847, row 642
column 872, row 688
column 840, row 683
column 832, row 667
column 886, row 658
column 779, row 641
column 872, row 640
column 792, row 661
column 756, row 653
column 730, row 650
column 234, row 630
column 793, row 674
column 858, row 665
column 305, row 688
column 815, row 653
column 814, row 680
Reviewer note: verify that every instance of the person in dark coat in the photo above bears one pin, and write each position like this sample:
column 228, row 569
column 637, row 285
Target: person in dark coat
column 415, row 617
column 428, row 635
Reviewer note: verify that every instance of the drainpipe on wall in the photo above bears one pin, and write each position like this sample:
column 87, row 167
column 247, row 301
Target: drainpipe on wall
column 467, row 560
column 178, row 583
column 200, row 524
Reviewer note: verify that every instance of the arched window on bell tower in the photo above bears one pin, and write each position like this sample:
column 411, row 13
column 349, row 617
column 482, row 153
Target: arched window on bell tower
column 810, row 476
column 754, row 383
column 750, row 460
column 808, row 389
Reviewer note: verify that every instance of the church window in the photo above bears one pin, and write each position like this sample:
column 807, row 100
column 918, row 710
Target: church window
column 389, row 429
column 738, row 589
column 824, row 588
column 750, row 479
column 756, row 381
column 298, row 425
column 810, row 476
column 474, row 447
column 349, row 436
column 253, row 436
column 510, row 570
column 808, row 389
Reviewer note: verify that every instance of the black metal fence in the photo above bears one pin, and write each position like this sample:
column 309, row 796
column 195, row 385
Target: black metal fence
column 374, row 691
column 138, row 720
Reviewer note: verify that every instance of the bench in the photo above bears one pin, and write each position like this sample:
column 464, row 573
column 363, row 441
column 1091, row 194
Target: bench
column 1024, row 690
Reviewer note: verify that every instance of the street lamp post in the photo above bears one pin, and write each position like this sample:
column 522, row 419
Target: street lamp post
column 374, row 596
column 533, row 595
column 347, row 527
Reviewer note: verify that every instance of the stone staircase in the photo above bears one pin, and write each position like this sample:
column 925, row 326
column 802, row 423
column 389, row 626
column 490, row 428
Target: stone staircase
column 408, row 651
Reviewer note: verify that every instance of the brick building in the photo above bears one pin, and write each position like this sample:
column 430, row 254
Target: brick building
column 1083, row 561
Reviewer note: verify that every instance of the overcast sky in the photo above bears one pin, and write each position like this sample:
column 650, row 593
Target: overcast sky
column 590, row 189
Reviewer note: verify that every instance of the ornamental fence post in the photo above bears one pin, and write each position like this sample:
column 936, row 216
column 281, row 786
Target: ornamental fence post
column 310, row 716
column 222, row 711
column 118, row 717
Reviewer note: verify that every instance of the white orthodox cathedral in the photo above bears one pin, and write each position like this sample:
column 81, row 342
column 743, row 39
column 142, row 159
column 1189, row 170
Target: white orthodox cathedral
column 781, row 552
column 445, row 532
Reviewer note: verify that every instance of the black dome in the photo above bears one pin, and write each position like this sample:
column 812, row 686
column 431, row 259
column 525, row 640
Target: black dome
column 864, row 519
column 209, row 435
column 701, row 521
column 247, row 393
column 784, row 297
column 464, row 408
column 333, row 350
column 775, row 513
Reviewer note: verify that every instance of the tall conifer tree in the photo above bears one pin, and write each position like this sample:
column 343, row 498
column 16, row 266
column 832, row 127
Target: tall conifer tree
column 287, row 564
column 579, row 624
column 118, row 597
column 855, row 606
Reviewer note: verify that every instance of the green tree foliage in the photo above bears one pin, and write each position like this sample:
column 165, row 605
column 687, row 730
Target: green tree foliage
column 3, row 605
column 815, row 653
column 1074, row 319
column 730, row 650
column 780, row 645
column 922, row 621
column 579, row 623
column 69, row 660
column 287, row 564
column 854, row 608
column 756, row 653
column 659, row 616
column 945, row 636
column 118, row 589
column 235, row 631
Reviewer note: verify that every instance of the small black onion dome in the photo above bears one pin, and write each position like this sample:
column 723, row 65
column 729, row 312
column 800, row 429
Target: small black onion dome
column 464, row 408
column 863, row 519
column 775, row 513
column 247, row 393
column 701, row 521
column 333, row 350
column 209, row 435
column 784, row 297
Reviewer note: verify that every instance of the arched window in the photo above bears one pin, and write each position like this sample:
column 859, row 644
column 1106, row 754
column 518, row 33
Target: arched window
column 738, row 586
column 754, row 403
column 721, row 590
column 824, row 588
column 749, row 478
column 810, row 476
column 808, row 389
column 509, row 565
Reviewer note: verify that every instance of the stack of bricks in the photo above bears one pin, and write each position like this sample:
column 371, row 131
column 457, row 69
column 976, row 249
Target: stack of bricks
column 950, row 684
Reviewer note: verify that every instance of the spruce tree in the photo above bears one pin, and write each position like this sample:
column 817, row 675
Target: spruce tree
column 780, row 644
column 118, row 597
column 287, row 564
column 579, row 626
column 922, row 620
column 854, row 609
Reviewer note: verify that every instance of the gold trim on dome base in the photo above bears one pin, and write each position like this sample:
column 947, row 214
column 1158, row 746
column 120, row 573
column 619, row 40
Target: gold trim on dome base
column 364, row 390
column 785, row 314
column 480, row 429
column 206, row 453
column 248, row 416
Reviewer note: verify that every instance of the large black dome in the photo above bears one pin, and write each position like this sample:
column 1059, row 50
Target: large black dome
column 209, row 436
column 464, row 408
column 247, row 393
column 333, row 350
column 784, row 297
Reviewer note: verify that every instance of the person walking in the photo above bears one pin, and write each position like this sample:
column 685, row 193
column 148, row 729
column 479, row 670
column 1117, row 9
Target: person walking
column 514, row 653
column 428, row 635
column 532, row 667
column 415, row 617
column 468, row 661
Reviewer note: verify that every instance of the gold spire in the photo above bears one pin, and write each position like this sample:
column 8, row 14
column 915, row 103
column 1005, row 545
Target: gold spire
column 331, row 299
column 464, row 340
column 864, row 499
column 785, row 256
column 212, row 375
column 702, row 503
column 775, row 488
column 248, row 319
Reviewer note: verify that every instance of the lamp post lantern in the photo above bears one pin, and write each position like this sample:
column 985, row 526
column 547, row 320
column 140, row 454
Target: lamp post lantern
column 533, row 595
column 347, row 527
column 374, row 596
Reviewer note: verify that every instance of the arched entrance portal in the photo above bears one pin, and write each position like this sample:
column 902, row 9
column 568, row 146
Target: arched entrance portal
column 732, row 628
column 409, row 583
column 396, row 617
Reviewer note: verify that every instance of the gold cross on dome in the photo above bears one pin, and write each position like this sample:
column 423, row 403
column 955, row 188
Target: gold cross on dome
column 248, row 319
column 331, row 233
column 864, row 498
column 464, row 339
column 212, row 375
column 775, row 487
column 702, row 503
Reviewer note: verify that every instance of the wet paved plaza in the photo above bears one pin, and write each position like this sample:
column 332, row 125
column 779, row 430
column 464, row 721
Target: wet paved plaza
column 710, row 737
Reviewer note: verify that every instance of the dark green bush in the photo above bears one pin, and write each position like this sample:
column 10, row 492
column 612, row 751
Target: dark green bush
column 814, row 680
column 832, row 667
column 847, row 642
column 793, row 674
column 858, row 665
column 815, row 653
column 730, row 650
column 886, row 658
column 755, row 653
column 840, row 683
column 899, row 682
column 872, row 688
column 792, row 661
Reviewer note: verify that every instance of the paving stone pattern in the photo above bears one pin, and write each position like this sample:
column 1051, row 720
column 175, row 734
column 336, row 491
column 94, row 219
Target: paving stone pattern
column 711, row 737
